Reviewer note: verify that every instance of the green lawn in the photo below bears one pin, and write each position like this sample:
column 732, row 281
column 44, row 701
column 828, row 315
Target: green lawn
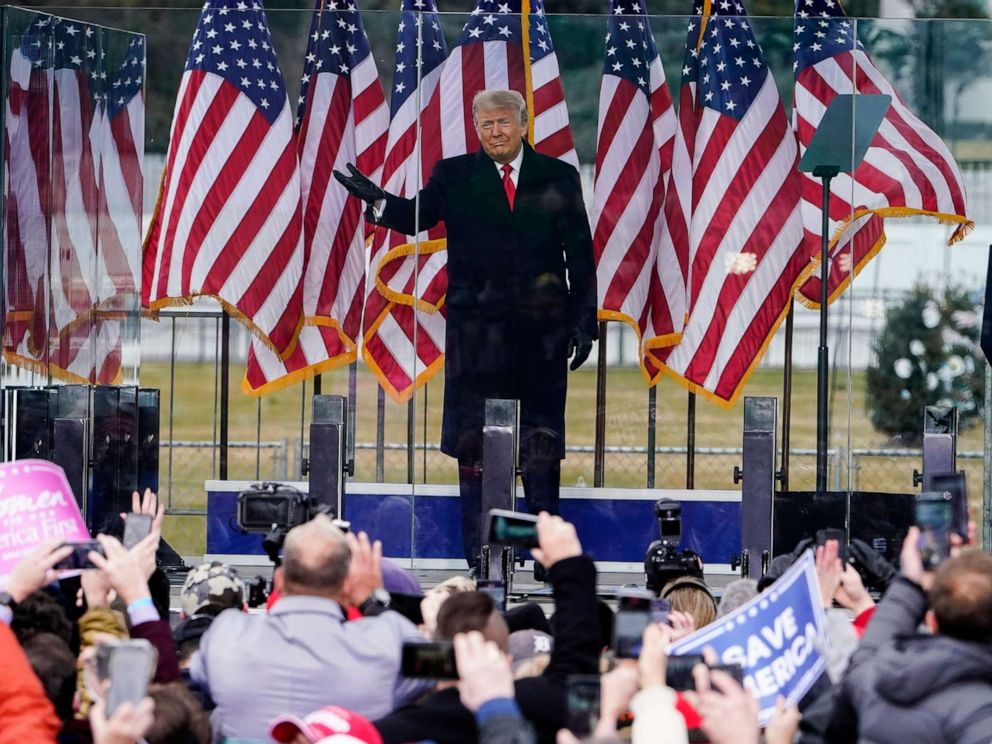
column 626, row 426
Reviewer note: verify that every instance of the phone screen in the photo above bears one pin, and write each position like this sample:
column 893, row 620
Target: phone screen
column 658, row 613
column 429, row 660
column 513, row 528
column 628, row 631
column 955, row 485
column 582, row 700
column 130, row 667
column 934, row 517
column 678, row 671
column 136, row 528
column 496, row 590
column 79, row 557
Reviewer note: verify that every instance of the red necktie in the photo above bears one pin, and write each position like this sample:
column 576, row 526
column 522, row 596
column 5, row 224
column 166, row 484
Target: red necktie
column 508, row 187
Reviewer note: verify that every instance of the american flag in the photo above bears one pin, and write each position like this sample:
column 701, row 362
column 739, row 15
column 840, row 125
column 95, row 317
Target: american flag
column 742, row 226
column 342, row 118
column 27, row 163
column 489, row 54
column 82, row 348
column 121, row 127
column 122, row 180
column 633, row 158
column 907, row 170
column 391, row 323
column 228, row 222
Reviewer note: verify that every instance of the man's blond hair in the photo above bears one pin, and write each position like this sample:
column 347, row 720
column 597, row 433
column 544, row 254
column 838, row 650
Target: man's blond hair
column 490, row 100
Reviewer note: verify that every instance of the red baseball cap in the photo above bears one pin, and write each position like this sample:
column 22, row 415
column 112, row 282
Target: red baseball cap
column 330, row 723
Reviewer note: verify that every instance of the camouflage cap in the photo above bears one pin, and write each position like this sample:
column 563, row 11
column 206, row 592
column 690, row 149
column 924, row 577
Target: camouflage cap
column 213, row 584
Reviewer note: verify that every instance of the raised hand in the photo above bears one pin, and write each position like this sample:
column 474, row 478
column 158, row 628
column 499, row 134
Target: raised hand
column 359, row 185
column 557, row 538
column 36, row 569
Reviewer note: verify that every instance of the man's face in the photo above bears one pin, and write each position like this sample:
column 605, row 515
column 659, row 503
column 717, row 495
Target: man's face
column 501, row 133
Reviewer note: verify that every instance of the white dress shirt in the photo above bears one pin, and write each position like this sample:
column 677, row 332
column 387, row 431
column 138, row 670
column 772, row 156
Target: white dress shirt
column 514, row 167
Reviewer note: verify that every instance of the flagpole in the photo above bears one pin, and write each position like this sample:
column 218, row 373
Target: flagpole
column 787, row 397
column 352, row 416
column 652, row 434
column 380, row 434
column 690, row 442
column 528, row 79
column 411, row 435
column 599, row 445
column 225, row 389
column 826, row 174
column 303, row 416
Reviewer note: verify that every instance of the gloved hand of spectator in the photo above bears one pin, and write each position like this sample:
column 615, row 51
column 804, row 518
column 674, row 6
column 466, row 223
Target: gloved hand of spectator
column 580, row 344
column 484, row 671
column 126, row 569
column 851, row 593
column 910, row 561
column 782, row 727
column 359, row 185
column 35, row 569
column 557, row 539
column 365, row 572
column 127, row 725
column 879, row 570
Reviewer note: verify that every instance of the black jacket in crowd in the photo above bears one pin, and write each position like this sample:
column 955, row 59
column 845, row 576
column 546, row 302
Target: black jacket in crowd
column 443, row 719
column 906, row 688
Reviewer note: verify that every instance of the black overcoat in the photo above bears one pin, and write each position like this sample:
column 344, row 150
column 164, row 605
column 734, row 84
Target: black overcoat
column 520, row 283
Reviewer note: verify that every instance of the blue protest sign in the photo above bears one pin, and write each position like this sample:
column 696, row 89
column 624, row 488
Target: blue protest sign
column 777, row 638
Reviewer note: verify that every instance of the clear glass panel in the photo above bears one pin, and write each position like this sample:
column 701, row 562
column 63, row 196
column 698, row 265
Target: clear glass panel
column 120, row 131
column 27, row 189
column 921, row 293
column 71, row 260
column 405, row 488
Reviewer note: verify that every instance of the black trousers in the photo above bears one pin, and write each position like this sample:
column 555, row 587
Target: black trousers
column 542, row 482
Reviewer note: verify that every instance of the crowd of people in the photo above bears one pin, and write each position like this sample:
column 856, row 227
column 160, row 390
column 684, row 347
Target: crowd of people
column 324, row 660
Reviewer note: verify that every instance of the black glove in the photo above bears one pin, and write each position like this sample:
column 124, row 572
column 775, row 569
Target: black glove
column 359, row 185
column 878, row 571
column 580, row 344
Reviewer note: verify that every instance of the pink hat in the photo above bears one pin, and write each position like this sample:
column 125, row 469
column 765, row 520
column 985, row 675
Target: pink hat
column 331, row 724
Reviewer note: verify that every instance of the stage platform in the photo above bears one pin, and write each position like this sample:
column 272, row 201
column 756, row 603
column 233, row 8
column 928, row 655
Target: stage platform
column 615, row 527
column 420, row 526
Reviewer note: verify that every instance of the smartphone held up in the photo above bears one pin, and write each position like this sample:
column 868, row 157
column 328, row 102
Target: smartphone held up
column 934, row 515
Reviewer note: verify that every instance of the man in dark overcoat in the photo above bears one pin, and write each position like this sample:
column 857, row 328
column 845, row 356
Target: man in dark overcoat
column 521, row 293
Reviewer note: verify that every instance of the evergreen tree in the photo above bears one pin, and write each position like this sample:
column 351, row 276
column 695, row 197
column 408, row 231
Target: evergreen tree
column 927, row 355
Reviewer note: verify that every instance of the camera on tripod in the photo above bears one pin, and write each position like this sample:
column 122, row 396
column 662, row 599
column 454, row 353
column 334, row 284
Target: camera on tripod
column 663, row 560
column 273, row 509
